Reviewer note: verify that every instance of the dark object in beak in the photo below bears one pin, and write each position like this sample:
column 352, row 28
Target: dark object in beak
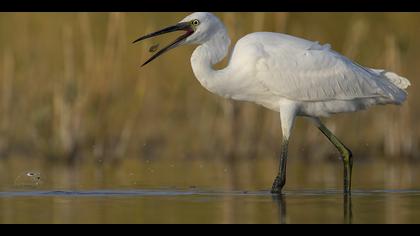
column 184, row 26
column 154, row 48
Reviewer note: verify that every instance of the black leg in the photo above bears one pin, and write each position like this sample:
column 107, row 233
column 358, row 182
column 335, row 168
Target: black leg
column 280, row 180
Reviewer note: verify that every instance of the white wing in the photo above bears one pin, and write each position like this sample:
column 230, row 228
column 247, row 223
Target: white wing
column 302, row 70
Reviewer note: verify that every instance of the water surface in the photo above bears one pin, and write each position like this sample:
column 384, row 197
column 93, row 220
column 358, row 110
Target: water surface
column 208, row 192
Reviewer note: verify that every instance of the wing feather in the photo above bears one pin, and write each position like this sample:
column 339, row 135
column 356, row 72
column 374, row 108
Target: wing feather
column 303, row 70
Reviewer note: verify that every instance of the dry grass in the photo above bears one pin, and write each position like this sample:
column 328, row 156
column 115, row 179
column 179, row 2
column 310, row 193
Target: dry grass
column 71, row 88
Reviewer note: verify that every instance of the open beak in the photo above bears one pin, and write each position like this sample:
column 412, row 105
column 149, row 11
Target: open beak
column 183, row 26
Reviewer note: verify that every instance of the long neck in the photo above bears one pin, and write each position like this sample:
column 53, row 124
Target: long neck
column 208, row 54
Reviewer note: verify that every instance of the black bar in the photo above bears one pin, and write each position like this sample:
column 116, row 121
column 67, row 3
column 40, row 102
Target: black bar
column 208, row 5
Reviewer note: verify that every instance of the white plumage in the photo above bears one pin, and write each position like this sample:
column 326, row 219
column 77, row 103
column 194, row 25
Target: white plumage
column 286, row 67
column 290, row 75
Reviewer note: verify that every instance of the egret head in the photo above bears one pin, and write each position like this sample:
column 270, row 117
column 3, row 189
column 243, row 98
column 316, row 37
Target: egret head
column 199, row 27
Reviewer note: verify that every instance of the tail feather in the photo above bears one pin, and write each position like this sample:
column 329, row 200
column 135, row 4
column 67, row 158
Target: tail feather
column 396, row 86
column 399, row 81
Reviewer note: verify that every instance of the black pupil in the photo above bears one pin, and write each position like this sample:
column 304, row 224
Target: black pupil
column 195, row 22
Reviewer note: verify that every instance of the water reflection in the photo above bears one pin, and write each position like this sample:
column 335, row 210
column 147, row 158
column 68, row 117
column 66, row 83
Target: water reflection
column 203, row 206
column 280, row 200
column 348, row 210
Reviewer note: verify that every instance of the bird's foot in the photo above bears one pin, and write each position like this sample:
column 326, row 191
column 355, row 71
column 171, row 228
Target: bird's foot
column 277, row 185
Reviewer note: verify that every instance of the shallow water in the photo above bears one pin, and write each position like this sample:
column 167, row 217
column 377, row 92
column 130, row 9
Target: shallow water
column 198, row 206
column 215, row 193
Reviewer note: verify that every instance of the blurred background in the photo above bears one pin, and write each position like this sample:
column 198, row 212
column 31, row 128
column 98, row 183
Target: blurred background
column 76, row 107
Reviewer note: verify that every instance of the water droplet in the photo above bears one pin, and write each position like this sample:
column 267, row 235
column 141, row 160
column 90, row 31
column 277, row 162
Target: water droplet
column 28, row 179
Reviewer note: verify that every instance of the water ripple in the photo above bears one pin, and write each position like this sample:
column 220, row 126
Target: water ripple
column 180, row 192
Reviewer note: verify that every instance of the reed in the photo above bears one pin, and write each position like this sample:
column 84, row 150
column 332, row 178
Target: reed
column 6, row 105
column 72, row 89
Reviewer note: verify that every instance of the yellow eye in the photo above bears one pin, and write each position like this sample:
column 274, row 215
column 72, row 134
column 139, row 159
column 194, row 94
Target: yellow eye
column 195, row 22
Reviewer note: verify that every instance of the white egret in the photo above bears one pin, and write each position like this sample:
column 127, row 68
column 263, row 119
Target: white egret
column 290, row 75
